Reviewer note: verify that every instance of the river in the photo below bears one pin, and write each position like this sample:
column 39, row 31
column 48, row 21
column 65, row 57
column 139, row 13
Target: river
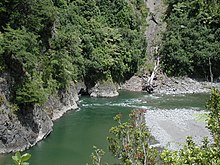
column 71, row 142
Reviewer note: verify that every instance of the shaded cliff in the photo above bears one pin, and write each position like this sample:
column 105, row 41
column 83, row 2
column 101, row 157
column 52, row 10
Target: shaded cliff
column 21, row 129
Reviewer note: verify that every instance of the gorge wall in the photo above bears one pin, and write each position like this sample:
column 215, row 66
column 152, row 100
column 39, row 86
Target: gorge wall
column 156, row 26
column 22, row 129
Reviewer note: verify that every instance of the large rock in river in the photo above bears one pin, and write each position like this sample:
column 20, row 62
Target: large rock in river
column 104, row 89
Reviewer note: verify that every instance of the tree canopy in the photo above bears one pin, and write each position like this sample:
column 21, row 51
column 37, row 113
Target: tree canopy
column 47, row 44
column 191, row 42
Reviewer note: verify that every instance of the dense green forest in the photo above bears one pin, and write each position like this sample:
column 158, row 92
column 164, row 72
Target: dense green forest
column 46, row 44
column 191, row 44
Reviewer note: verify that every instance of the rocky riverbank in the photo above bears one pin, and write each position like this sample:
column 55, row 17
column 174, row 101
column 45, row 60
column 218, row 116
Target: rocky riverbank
column 171, row 127
column 22, row 129
column 181, row 85
column 19, row 131
column 170, row 85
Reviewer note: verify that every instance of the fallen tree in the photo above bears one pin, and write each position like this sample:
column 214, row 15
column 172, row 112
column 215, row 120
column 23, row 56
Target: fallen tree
column 148, row 82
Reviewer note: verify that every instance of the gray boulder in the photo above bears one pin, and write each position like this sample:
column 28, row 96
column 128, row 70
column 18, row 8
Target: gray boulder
column 104, row 89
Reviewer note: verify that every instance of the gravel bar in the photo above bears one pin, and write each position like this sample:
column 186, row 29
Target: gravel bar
column 171, row 127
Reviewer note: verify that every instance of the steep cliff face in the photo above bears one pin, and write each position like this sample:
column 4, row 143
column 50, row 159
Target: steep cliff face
column 155, row 26
column 20, row 132
column 61, row 102
column 22, row 129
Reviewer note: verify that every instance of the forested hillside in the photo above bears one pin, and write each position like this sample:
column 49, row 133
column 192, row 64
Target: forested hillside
column 45, row 44
column 191, row 44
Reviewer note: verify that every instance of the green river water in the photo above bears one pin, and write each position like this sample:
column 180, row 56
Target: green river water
column 71, row 142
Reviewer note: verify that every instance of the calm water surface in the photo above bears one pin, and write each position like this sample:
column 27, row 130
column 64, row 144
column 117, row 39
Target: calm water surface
column 71, row 142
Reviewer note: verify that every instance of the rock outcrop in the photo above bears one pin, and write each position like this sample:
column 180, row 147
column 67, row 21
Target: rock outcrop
column 170, row 85
column 135, row 83
column 20, row 132
column 155, row 26
column 104, row 89
column 22, row 129
column 61, row 102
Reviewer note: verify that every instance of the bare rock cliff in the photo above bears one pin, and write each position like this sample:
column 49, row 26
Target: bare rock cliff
column 22, row 129
column 156, row 26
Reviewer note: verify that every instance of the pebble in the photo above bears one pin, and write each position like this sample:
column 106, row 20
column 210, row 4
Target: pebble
column 171, row 127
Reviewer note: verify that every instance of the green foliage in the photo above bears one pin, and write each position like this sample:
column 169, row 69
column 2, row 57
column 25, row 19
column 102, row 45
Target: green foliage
column 47, row 44
column 31, row 92
column 214, row 116
column 36, row 16
column 13, row 108
column 192, row 154
column 97, row 155
column 20, row 46
column 191, row 38
column 106, row 47
column 201, row 117
column 129, row 142
column 21, row 159
column 60, row 70
column 207, row 153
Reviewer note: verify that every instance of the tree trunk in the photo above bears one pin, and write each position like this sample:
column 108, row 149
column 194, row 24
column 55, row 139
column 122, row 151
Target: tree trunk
column 149, row 84
column 210, row 70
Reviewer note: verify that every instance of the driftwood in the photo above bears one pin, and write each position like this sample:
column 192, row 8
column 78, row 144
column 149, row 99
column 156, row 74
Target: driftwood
column 148, row 84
